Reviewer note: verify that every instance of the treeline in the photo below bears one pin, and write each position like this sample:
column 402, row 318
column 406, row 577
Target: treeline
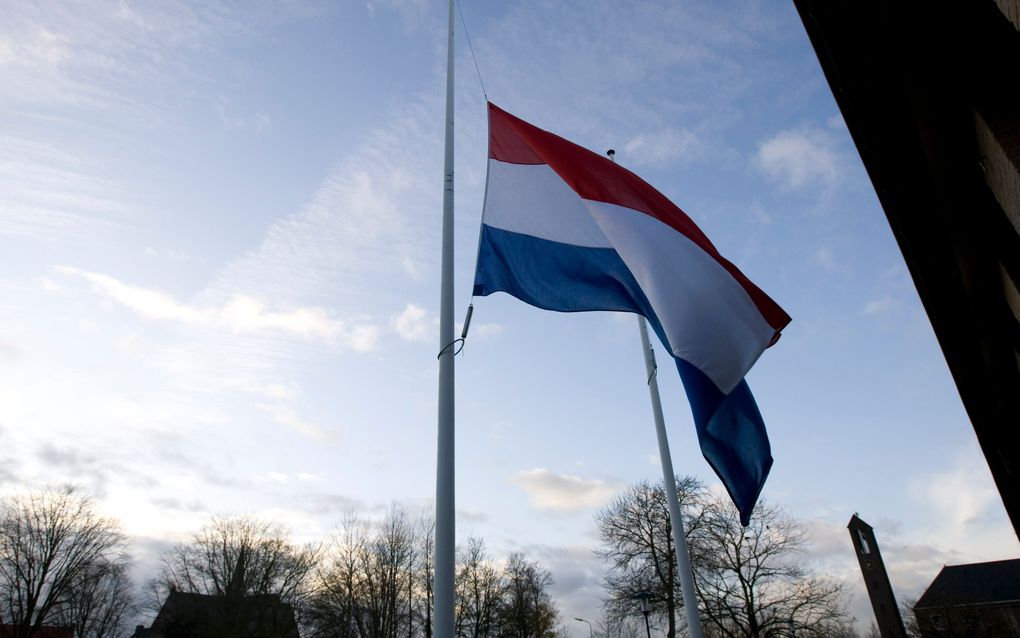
column 62, row 564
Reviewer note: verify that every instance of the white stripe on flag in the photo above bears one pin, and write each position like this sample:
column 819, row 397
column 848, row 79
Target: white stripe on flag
column 532, row 199
column 709, row 319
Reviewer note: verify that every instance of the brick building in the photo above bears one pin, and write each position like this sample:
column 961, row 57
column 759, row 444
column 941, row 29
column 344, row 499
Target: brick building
column 980, row 600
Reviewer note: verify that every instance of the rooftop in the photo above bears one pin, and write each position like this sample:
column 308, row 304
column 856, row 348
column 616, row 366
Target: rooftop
column 973, row 584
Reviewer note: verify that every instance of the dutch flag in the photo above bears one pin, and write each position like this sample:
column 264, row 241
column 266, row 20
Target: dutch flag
column 566, row 229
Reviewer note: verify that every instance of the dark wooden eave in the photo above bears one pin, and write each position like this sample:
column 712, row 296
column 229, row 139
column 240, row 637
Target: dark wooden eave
column 929, row 93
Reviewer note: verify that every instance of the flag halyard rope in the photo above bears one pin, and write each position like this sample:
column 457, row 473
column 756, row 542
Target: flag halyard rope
column 471, row 48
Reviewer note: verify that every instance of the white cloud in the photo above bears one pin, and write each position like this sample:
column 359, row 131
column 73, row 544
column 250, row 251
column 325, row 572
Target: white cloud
column 966, row 524
column 53, row 193
column 48, row 284
column 105, row 55
column 46, row 47
column 413, row 324
column 880, row 306
column 487, row 330
column 258, row 122
column 562, row 492
column 241, row 314
column 368, row 222
column 836, row 122
column 35, row 48
column 471, row 515
column 662, row 147
column 271, row 390
column 8, row 350
column 363, row 338
column 760, row 214
column 801, row 158
column 414, row 14
column 245, row 314
column 7, row 49
column 173, row 255
column 578, row 584
column 829, row 541
column 480, row 330
column 412, row 268
column 825, row 258
column 278, row 477
column 287, row 417
column 961, row 494
column 150, row 304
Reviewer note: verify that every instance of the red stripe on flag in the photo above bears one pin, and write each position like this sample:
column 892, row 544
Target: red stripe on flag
column 597, row 178
column 505, row 143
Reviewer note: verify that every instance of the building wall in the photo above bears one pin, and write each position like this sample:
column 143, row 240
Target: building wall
column 970, row 621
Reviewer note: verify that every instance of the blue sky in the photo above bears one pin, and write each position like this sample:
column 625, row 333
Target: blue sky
column 220, row 228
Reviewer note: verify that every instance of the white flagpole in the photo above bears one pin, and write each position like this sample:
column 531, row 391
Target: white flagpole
column 445, row 486
column 683, row 557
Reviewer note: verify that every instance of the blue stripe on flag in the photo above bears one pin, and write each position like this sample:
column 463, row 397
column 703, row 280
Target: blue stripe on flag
column 557, row 276
column 732, row 436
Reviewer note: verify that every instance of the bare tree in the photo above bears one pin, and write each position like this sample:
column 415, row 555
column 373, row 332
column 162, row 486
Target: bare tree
column 339, row 582
column 479, row 591
column 910, row 618
column 527, row 610
column 388, row 574
column 426, row 571
column 369, row 588
column 235, row 557
column 377, row 583
column 52, row 543
column 637, row 544
column 622, row 626
column 101, row 600
column 751, row 581
column 748, row 581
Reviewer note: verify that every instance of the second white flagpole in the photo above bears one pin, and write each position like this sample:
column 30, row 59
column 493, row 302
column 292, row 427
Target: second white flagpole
column 683, row 557
column 676, row 519
column 445, row 484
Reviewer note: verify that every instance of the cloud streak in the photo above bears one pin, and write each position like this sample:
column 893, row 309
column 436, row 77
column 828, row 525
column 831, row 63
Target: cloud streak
column 287, row 417
column 368, row 221
column 101, row 55
column 241, row 314
column 49, row 192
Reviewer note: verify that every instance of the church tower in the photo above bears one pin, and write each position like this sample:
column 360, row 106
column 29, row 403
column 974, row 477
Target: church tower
column 887, row 614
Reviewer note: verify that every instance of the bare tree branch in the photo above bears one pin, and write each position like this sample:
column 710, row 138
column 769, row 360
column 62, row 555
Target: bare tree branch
column 57, row 560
